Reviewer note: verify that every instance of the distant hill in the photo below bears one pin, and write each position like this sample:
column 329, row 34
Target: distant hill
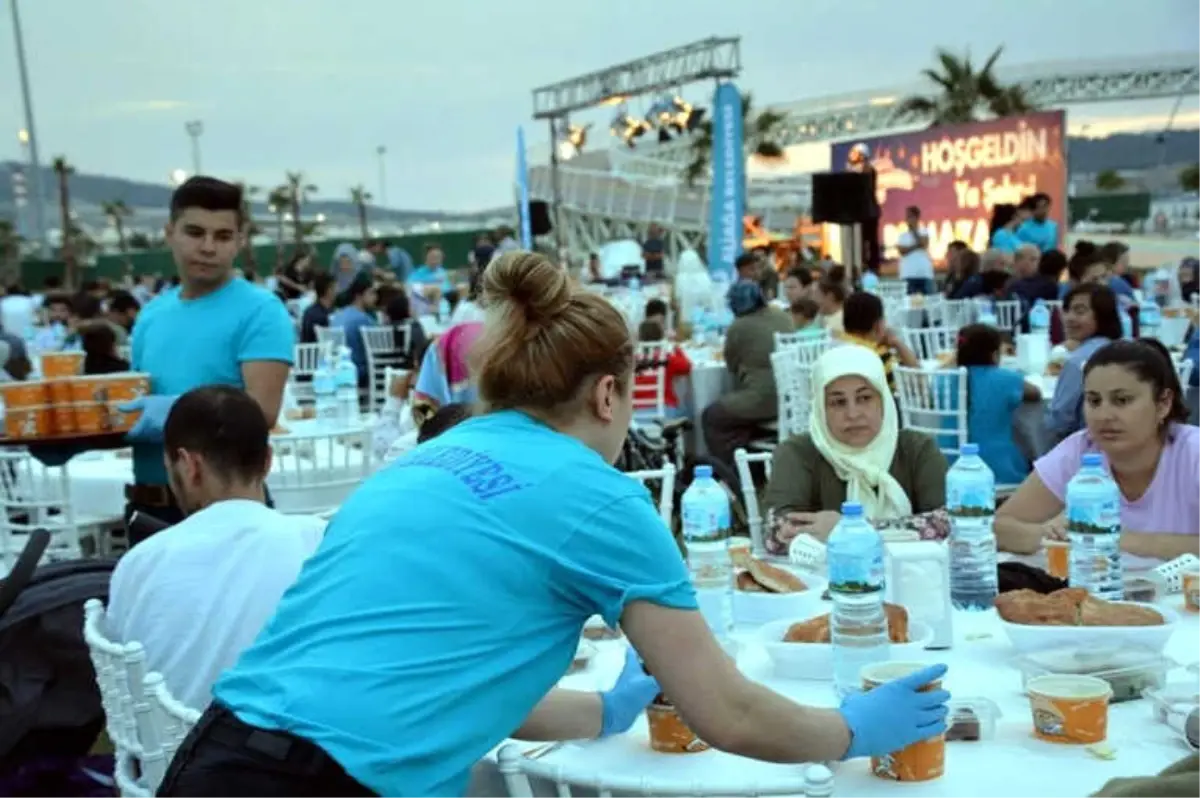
column 90, row 189
column 1133, row 151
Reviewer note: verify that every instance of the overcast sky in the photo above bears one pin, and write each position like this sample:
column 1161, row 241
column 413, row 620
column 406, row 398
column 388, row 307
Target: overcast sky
column 318, row 84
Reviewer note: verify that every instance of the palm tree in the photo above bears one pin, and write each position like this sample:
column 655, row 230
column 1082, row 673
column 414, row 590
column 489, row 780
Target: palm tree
column 761, row 134
column 278, row 202
column 249, row 229
column 360, row 197
column 117, row 212
column 64, row 171
column 1189, row 178
column 299, row 193
column 1110, row 180
column 964, row 92
column 10, row 253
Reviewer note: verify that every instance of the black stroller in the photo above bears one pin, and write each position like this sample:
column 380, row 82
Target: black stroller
column 50, row 712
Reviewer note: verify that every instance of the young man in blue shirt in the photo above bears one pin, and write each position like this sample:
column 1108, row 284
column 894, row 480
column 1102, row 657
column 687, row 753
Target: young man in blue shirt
column 1039, row 229
column 210, row 330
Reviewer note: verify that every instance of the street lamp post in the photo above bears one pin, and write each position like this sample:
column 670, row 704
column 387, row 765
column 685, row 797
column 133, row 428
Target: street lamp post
column 35, row 168
column 381, row 151
column 194, row 129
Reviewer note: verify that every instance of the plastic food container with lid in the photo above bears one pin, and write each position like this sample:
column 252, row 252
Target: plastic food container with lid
column 1129, row 671
column 971, row 719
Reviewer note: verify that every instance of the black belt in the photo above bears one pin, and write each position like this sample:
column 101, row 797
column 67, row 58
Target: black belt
column 227, row 729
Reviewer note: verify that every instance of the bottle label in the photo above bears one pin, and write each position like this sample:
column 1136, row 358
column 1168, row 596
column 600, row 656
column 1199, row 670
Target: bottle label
column 857, row 572
column 1096, row 517
column 705, row 523
column 970, row 501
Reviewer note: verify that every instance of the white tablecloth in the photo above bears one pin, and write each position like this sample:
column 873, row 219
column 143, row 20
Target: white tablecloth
column 1014, row 763
column 709, row 380
column 98, row 479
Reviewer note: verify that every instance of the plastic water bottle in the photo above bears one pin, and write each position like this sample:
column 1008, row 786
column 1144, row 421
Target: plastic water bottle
column 1039, row 338
column 1039, row 319
column 971, row 503
column 324, row 384
column 858, row 624
column 706, row 520
column 1094, row 531
column 346, row 381
column 1149, row 319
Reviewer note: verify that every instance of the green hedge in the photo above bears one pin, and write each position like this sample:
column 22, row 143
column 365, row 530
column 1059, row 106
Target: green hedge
column 456, row 245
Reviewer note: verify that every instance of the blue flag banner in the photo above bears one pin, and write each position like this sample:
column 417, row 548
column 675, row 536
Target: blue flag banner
column 523, row 191
column 727, row 203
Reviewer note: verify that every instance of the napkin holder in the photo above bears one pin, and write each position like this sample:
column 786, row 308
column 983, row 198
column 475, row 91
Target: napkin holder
column 918, row 578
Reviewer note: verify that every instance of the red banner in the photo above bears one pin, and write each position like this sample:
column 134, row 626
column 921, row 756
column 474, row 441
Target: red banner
column 956, row 174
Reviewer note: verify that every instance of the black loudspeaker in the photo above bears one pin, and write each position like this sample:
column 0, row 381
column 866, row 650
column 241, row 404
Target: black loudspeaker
column 843, row 197
column 539, row 218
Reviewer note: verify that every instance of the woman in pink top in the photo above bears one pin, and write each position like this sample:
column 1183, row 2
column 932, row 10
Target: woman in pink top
column 1134, row 415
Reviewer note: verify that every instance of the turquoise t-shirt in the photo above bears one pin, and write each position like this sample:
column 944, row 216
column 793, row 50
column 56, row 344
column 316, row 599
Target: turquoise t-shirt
column 188, row 343
column 1006, row 240
column 1043, row 234
column 447, row 598
column 993, row 396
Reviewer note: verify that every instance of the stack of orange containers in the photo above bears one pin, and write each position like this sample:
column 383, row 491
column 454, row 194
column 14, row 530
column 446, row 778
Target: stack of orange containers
column 67, row 403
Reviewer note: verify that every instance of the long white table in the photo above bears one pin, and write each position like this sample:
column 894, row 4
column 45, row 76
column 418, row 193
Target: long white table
column 1014, row 763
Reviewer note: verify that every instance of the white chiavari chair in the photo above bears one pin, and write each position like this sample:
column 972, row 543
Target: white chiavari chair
column 934, row 401
column 792, row 390
column 1008, row 315
column 650, row 384
column 665, row 477
column 754, row 520
column 387, row 347
column 336, row 336
column 929, row 342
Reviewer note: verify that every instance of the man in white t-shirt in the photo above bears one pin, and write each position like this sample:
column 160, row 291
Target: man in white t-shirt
column 196, row 594
column 916, row 267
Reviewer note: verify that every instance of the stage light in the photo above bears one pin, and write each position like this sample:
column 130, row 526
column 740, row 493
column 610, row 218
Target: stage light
column 573, row 142
column 627, row 128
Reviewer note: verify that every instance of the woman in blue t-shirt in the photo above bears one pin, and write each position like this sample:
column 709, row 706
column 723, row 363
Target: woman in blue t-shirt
column 449, row 594
column 993, row 396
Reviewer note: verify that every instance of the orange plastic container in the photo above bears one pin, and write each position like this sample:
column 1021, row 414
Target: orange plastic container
column 109, row 387
column 669, row 734
column 24, row 394
column 60, row 391
column 61, row 364
column 1069, row 708
column 1191, row 591
column 120, row 420
column 922, row 761
column 24, row 423
column 64, row 418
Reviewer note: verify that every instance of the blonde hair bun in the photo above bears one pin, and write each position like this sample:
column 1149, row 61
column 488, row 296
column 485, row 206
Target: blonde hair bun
column 529, row 281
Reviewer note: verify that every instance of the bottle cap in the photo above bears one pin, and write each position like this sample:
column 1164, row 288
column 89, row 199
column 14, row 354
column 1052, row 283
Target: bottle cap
column 969, row 449
column 852, row 509
column 1093, row 460
column 703, row 472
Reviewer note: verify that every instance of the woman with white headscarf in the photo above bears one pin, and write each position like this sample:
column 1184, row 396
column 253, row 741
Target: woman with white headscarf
column 853, row 450
column 693, row 286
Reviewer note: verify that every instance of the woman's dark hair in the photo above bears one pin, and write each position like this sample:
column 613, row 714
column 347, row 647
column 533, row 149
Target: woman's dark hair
column 1111, row 252
column 397, row 309
column 1104, row 308
column 968, row 264
column 1052, row 263
column 1150, row 362
column 978, row 345
column 1083, row 258
column 1002, row 214
column 299, row 254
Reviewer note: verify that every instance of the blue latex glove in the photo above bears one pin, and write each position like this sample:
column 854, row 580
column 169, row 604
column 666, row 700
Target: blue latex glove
column 149, row 428
column 893, row 715
column 634, row 690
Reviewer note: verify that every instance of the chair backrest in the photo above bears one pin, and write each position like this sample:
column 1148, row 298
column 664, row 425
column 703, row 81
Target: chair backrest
column 793, row 390
column 955, row 313
column 665, row 477
column 929, row 342
column 591, row 777
column 743, row 459
column 1184, row 369
column 811, row 346
column 650, row 385
column 120, row 676
column 386, row 346
column 34, row 496
column 934, row 402
column 313, row 472
column 1008, row 314
column 170, row 721
column 892, row 289
column 331, row 335
column 308, row 357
